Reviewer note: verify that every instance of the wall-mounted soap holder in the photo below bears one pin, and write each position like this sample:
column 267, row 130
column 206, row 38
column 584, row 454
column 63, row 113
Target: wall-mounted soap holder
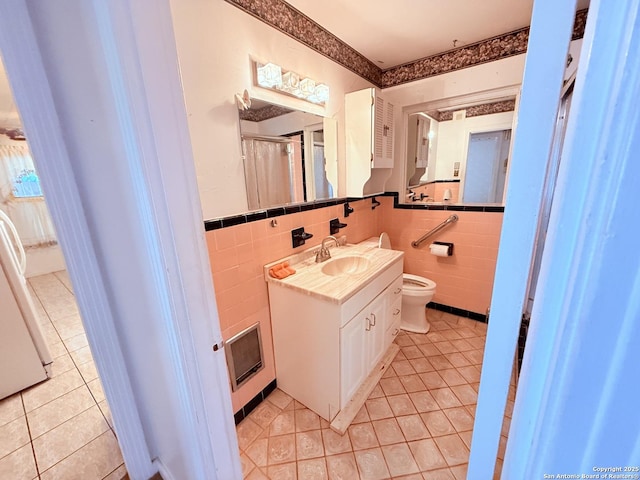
column 347, row 209
column 335, row 226
column 299, row 236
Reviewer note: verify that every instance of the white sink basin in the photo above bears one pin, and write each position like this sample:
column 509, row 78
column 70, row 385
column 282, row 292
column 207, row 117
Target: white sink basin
column 348, row 265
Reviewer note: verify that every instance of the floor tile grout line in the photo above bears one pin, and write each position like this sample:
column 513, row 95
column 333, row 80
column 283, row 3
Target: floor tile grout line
column 455, row 433
column 112, row 471
column 85, row 383
column 63, row 283
column 67, row 420
column 75, row 451
column 33, row 450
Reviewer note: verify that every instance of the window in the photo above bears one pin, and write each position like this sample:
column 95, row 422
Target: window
column 27, row 184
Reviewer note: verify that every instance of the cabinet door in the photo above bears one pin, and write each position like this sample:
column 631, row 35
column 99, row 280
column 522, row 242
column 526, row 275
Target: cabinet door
column 383, row 134
column 375, row 319
column 353, row 368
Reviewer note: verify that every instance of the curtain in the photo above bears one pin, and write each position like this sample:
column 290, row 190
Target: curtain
column 21, row 197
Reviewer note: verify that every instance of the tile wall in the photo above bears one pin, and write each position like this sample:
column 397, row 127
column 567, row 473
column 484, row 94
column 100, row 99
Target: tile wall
column 435, row 190
column 464, row 280
column 238, row 254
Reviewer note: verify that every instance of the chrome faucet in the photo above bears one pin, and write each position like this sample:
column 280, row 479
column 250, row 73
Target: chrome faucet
column 324, row 253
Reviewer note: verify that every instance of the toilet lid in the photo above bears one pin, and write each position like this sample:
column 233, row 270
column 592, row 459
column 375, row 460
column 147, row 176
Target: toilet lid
column 384, row 241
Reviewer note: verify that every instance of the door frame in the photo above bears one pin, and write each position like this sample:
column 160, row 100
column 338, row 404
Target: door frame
column 180, row 261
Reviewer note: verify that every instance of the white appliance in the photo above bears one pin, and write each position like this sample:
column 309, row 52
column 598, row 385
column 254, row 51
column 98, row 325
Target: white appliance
column 25, row 358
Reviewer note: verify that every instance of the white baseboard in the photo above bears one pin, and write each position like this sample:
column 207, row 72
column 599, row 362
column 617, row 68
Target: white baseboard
column 41, row 261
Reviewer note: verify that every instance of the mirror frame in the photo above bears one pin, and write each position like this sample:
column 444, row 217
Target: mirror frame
column 329, row 126
column 461, row 102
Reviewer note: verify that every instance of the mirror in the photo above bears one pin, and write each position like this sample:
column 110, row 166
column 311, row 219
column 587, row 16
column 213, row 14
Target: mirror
column 459, row 153
column 289, row 156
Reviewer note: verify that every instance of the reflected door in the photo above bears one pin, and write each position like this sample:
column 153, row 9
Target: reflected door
column 486, row 167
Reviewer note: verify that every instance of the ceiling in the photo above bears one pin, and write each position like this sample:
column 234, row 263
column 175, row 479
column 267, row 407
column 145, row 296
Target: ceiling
column 388, row 32
column 393, row 32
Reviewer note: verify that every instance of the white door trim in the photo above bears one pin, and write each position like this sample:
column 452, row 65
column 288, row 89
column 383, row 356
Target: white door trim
column 34, row 98
column 551, row 27
column 576, row 406
column 136, row 43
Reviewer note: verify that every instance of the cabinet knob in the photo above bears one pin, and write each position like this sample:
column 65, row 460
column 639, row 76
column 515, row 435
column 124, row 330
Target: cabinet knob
column 396, row 332
column 396, row 311
column 397, row 290
column 373, row 324
column 368, row 327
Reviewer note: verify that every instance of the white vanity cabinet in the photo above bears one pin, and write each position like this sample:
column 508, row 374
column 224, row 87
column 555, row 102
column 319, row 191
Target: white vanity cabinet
column 362, row 344
column 369, row 133
column 326, row 348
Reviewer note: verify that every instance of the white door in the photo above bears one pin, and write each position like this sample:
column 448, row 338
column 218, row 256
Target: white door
column 486, row 167
column 375, row 318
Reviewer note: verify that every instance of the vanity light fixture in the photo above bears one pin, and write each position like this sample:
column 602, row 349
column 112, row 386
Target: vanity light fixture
column 270, row 75
column 291, row 83
column 308, row 87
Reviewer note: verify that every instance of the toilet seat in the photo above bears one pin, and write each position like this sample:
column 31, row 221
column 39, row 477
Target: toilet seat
column 415, row 283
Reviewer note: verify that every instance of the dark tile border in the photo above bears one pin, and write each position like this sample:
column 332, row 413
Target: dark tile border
column 290, row 21
column 454, row 180
column 459, row 312
column 254, row 402
column 223, row 222
column 453, row 208
column 231, row 221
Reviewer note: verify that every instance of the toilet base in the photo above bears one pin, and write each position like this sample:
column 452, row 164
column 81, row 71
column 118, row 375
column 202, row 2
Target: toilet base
column 414, row 314
column 412, row 329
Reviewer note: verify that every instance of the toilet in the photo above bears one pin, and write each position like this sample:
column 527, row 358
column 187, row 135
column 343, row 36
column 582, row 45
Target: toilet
column 416, row 293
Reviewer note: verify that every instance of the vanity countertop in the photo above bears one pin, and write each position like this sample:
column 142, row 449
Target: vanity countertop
column 310, row 279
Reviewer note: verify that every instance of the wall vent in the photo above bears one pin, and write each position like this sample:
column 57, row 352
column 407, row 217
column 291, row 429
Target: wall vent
column 244, row 355
column 459, row 115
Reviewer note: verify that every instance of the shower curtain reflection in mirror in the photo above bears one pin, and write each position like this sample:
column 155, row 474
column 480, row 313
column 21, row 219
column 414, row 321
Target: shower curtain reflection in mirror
column 273, row 171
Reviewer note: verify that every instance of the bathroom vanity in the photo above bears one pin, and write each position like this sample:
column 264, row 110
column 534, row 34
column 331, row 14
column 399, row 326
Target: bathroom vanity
column 333, row 327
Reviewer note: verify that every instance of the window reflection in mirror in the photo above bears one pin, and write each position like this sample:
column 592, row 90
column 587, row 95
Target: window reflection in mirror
column 284, row 156
column 459, row 154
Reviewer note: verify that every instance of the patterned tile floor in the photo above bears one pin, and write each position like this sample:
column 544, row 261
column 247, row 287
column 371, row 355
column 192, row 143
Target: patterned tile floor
column 61, row 428
column 416, row 424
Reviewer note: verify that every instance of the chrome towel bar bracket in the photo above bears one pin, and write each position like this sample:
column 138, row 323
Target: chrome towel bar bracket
column 433, row 231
